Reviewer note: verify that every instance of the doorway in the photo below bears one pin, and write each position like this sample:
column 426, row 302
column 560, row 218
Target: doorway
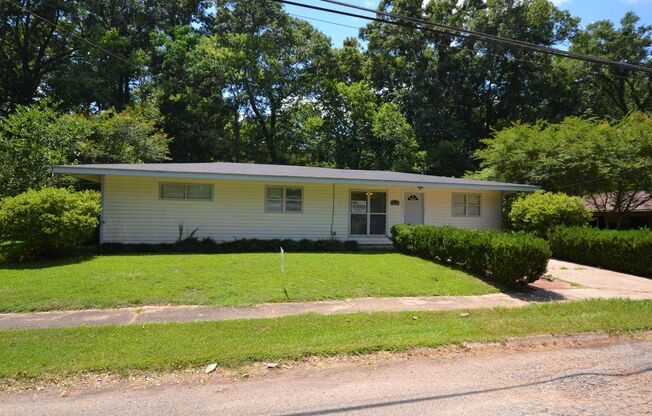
column 413, row 208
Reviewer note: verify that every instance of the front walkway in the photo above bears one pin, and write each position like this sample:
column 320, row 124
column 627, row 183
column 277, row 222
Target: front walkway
column 577, row 282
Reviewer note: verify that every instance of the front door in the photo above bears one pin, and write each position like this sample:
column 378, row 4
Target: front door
column 413, row 208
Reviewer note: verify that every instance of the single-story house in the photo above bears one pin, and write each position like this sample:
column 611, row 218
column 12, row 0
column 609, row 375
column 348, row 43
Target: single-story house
column 638, row 215
column 145, row 203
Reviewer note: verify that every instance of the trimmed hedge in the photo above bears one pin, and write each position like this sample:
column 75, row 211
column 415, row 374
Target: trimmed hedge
column 210, row 246
column 512, row 258
column 627, row 251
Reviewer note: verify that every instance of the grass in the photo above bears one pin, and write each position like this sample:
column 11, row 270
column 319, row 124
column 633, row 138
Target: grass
column 29, row 354
column 224, row 280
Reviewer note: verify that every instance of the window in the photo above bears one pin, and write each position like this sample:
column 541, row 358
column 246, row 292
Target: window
column 282, row 199
column 188, row 191
column 466, row 205
column 368, row 213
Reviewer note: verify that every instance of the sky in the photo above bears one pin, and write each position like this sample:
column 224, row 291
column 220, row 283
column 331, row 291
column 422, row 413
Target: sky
column 588, row 10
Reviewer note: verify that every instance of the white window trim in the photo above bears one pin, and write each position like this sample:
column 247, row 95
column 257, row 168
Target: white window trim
column 185, row 198
column 284, row 200
column 466, row 205
column 368, row 235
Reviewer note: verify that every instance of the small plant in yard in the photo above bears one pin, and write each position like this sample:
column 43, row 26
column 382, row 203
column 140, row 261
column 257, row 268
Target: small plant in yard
column 49, row 222
column 539, row 212
column 185, row 235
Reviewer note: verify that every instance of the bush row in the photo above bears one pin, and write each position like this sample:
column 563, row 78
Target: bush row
column 210, row 246
column 512, row 258
column 627, row 251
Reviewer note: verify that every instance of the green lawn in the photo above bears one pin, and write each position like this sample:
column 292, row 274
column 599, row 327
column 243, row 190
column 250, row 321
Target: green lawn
column 27, row 354
column 224, row 280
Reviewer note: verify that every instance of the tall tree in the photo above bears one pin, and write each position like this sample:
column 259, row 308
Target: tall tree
column 32, row 47
column 457, row 90
column 88, row 54
column 362, row 133
column 272, row 62
column 610, row 91
column 97, row 79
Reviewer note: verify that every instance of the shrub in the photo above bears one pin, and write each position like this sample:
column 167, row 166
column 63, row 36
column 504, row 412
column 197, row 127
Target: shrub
column 540, row 211
column 512, row 258
column 49, row 222
column 246, row 245
column 628, row 251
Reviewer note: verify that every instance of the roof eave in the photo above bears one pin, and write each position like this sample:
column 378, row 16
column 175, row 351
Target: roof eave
column 79, row 171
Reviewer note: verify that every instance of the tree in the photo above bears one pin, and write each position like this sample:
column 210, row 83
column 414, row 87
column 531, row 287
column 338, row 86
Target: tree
column 606, row 90
column 363, row 134
column 272, row 62
column 611, row 163
column 34, row 138
column 30, row 48
column 88, row 54
column 189, row 89
column 455, row 91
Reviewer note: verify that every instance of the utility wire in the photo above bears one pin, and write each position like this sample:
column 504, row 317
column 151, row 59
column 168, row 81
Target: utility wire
column 413, row 23
column 323, row 21
column 485, row 53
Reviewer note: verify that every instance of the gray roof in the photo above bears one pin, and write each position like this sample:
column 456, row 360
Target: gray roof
column 250, row 171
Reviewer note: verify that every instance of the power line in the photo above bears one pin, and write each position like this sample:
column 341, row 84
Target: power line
column 323, row 21
column 413, row 23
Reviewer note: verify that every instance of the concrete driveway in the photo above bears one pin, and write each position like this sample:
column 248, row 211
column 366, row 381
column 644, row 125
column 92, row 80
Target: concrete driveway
column 600, row 283
column 553, row 377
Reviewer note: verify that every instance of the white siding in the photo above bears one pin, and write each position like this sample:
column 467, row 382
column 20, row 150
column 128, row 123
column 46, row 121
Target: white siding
column 134, row 213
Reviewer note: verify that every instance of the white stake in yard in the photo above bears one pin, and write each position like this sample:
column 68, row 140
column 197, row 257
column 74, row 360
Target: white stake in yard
column 282, row 261
column 285, row 290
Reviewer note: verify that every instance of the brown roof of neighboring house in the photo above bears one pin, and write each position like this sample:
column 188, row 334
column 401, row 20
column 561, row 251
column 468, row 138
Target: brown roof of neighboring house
column 644, row 207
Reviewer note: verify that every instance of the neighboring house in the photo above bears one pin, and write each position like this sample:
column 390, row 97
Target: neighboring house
column 638, row 214
column 147, row 202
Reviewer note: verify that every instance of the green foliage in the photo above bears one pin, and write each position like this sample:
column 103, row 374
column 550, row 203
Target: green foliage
column 605, row 90
column 43, row 354
column 191, row 244
column 627, row 251
column 540, row 211
column 34, row 138
column 244, row 81
column 49, row 222
column 360, row 133
column 579, row 156
column 513, row 258
column 459, row 93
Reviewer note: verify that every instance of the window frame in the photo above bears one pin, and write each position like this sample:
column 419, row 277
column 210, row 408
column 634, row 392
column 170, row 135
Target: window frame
column 284, row 200
column 185, row 191
column 466, row 205
column 369, row 213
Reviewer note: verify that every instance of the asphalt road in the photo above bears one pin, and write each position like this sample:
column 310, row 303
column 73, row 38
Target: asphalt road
column 609, row 378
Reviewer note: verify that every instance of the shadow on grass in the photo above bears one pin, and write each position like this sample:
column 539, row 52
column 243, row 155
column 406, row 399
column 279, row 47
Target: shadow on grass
column 10, row 258
column 521, row 292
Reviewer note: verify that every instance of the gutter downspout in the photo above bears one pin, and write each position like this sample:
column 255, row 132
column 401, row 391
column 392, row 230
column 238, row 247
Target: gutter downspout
column 102, row 185
column 333, row 212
